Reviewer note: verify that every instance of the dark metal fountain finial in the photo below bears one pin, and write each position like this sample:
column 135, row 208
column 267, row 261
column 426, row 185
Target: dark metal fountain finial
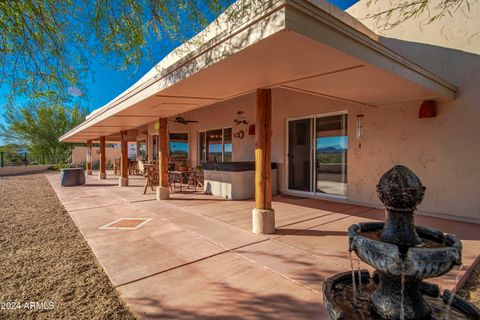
column 400, row 190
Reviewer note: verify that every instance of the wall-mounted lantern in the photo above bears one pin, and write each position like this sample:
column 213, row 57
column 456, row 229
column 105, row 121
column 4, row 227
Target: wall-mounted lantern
column 359, row 133
column 428, row 109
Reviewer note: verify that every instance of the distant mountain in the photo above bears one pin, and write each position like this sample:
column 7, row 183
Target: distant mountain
column 331, row 149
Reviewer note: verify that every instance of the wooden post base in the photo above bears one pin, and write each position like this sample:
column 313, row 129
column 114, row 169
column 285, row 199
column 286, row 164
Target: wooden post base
column 163, row 193
column 89, row 172
column 123, row 182
column 263, row 221
column 102, row 175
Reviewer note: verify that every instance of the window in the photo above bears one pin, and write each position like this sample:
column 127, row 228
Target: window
column 142, row 149
column 331, row 154
column 317, row 154
column 215, row 145
column 227, row 145
column 155, row 148
column 178, row 144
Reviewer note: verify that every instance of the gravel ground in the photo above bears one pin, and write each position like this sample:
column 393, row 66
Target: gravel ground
column 45, row 260
column 471, row 290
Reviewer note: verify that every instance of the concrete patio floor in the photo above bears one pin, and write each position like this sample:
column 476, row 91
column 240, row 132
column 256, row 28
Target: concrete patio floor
column 196, row 258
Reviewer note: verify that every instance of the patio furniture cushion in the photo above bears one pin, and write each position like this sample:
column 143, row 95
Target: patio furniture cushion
column 72, row 177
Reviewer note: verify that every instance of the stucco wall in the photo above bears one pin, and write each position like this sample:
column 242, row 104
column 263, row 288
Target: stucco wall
column 79, row 154
column 450, row 157
column 214, row 117
column 12, row 170
column 457, row 30
column 443, row 150
column 440, row 150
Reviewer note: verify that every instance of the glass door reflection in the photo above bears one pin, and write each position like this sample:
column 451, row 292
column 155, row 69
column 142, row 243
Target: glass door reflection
column 299, row 154
column 331, row 144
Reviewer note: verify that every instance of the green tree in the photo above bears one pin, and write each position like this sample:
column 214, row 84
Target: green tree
column 48, row 46
column 39, row 125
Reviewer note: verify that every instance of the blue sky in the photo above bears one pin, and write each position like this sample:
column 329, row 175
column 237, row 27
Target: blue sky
column 109, row 83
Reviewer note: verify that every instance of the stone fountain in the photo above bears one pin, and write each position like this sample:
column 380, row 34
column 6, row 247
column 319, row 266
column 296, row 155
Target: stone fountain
column 403, row 255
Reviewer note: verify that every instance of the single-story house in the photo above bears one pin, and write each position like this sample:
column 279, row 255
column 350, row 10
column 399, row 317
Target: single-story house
column 329, row 101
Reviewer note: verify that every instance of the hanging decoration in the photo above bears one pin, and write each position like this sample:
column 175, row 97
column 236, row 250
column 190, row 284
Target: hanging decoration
column 240, row 134
column 359, row 134
column 240, row 120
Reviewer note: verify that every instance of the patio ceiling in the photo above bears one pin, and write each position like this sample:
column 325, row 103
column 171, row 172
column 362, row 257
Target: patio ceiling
column 293, row 44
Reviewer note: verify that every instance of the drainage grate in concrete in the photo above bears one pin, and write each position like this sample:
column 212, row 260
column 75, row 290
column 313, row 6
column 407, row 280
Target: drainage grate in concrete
column 125, row 224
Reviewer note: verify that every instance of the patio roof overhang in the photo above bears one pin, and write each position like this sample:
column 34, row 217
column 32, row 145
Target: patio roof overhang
column 307, row 46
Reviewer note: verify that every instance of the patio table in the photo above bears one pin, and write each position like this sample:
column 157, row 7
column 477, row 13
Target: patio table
column 180, row 174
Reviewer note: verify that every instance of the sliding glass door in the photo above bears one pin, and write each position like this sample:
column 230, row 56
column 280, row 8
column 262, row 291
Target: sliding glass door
column 331, row 144
column 299, row 154
column 317, row 154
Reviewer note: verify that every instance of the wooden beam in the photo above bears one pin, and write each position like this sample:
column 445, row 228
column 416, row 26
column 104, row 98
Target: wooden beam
column 137, row 155
column 263, row 146
column 89, row 157
column 103, row 159
column 163, row 152
column 124, row 159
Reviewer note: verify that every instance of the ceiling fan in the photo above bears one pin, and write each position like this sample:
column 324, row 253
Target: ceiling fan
column 184, row 121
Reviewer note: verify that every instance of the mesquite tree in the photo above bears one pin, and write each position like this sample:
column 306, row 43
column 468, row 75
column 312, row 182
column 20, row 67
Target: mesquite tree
column 49, row 46
column 39, row 125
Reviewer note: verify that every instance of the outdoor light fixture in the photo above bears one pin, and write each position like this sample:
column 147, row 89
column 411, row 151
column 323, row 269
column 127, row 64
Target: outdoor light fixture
column 359, row 129
column 428, row 109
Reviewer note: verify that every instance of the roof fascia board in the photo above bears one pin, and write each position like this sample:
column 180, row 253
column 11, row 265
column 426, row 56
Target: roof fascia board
column 337, row 32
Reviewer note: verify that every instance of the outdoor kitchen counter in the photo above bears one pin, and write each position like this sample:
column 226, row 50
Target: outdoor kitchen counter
column 233, row 180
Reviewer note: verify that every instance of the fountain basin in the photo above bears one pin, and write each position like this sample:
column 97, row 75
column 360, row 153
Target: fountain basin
column 338, row 298
column 438, row 253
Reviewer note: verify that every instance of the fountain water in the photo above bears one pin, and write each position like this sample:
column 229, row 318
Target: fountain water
column 403, row 255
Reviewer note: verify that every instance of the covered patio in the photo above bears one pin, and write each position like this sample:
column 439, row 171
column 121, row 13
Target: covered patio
column 253, row 68
column 195, row 256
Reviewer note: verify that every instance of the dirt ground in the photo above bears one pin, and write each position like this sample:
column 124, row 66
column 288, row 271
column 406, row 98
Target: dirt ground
column 47, row 270
column 471, row 290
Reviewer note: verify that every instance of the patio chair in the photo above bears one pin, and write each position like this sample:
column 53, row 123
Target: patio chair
column 195, row 178
column 133, row 167
column 152, row 178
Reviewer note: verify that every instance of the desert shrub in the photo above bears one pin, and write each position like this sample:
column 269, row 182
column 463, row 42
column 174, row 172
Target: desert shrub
column 58, row 166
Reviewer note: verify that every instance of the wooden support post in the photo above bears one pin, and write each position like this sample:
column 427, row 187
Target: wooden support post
column 103, row 160
column 137, row 155
column 89, row 157
column 163, row 192
column 123, row 180
column 263, row 216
